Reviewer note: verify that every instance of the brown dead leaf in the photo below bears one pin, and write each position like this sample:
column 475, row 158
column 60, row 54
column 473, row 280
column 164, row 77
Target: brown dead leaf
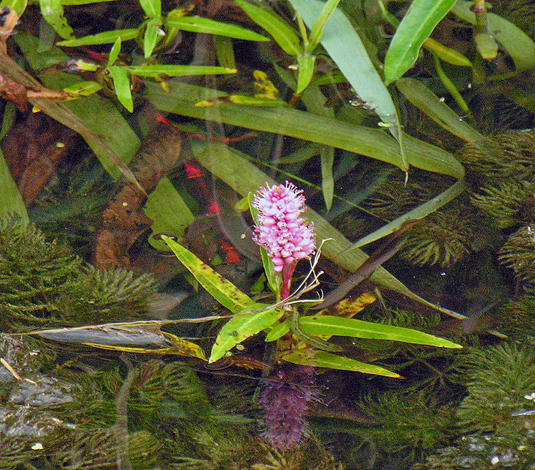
column 50, row 94
column 13, row 91
column 10, row 18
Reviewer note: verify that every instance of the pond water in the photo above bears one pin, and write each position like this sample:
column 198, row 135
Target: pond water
column 225, row 243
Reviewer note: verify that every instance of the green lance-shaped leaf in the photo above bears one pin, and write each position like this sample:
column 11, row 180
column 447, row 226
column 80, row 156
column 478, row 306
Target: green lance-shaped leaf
column 121, row 82
column 305, row 71
column 307, row 357
column 317, row 28
column 419, row 22
column 152, row 35
column 283, row 34
column 516, row 42
column 206, row 26
column 226, row 293
column 115, row 51
column 177, row 70
column 242, row 327
column 152, row 8
column 429, row 103
column 52, row 11
column 107, row 37
column 346, row 49
column 340, row 326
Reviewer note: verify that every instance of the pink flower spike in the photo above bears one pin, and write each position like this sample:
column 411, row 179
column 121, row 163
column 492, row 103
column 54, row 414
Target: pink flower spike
column 281, row 231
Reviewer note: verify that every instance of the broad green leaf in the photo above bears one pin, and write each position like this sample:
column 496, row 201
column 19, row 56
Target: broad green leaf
column 115, row 51
column 169, row 213
column 52, row 11
column 430, row 104
column 419, row 22
column 18, row 5
column 121, row 83
column 176, row 70
column 346, row 49
column 317, row 28
column 316, row 358
column 107, row 37
column 374, row 143
column 206, row 26
column 415, row 214
column 12, row 202
column 516, row 42
column 226, row 293
column 305, row 71
column 283, row 34
column 350, row 327
column 242, row 327
column 152, row 8
column 84, row 88
column 152, row 35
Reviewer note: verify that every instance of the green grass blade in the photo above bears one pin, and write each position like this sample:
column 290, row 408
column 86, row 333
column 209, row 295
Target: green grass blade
column 374, row 143
column 414, row 29
column 416, row 214
column 107, row 37
column 306, row 357
column 429, row 103
column 350, row 327
column 283, row 34
column 346, row 49
column 207, row 26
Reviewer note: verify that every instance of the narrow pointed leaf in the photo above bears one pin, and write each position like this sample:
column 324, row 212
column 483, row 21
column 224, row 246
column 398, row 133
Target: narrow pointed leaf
column 226, row 293
column 12, row 202
column 121, row 82
column 332, row 361
column 151, row 8
column 115, row 51
column 305, row 71
column 346, row 49
column 350, row 327
column 206, row 26
column 152, row 35
column 419, row 22
column 107, row 37
column 176, row 70
column 317, row 28
column 429, row 103
column 283, row 34
column 242, row 327
column 373, row 143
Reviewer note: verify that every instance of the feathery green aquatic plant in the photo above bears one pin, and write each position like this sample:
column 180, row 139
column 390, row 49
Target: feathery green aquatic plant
column 502, row 202
column 518, row 253
column 510, row 154
column 445, row 237
column 409, row 423
column 495, row 419
column 44, row 283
